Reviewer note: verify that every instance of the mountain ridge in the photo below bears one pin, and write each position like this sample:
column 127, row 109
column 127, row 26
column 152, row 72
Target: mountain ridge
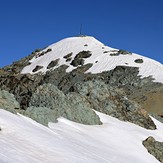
column 77, row 77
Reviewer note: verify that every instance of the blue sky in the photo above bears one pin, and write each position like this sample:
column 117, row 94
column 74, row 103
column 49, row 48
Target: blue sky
column 133, row 25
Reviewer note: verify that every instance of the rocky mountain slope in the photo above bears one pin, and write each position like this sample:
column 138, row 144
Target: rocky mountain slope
column 78, row 76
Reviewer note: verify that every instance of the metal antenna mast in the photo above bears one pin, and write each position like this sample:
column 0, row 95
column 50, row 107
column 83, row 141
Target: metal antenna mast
column 81, row 29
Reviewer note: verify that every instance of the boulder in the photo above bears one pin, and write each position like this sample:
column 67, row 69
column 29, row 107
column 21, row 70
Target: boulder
column 154, row 147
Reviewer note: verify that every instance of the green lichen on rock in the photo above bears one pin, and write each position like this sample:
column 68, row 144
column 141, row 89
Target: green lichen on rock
column 8, row 101
column 48, row 95
column 42, row 115
column 71, row 106
column 112, row 101
column 79, row 110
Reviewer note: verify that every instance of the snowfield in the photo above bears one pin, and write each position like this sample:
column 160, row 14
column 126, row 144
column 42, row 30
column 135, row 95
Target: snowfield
column 101, row 58
column 24, row 140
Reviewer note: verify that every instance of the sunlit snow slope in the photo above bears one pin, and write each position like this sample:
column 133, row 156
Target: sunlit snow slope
column 24, row 140
column 101, row 58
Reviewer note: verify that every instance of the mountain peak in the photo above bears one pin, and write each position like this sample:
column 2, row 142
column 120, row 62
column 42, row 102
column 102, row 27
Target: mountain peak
column 67, row 95
column 82, row 50
column 80, row 40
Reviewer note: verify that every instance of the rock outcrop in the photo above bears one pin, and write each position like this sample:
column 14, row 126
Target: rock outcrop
column 71, row 106
column 22, row 86
column 154, row 147
column 41, row 115
column 113, row 101
column 74, row 94
column 8, row 101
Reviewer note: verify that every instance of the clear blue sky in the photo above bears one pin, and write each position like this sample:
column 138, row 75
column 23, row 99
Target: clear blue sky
column 133, row 25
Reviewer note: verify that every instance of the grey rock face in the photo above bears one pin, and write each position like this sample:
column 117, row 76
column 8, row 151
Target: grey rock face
column 154, row 147
column 121, row 76
column 42, row 115
column 83, row 54
column 48, row 95
column 8, row 101
column 77, row 62
column 71, row 106
column 22, row 86
column 80, row 111
column 112, row 101
column 79, row 58
column 53, row 64
column 37, row 68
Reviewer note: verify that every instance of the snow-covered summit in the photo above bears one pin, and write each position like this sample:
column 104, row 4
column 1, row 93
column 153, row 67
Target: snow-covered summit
column 102, row 57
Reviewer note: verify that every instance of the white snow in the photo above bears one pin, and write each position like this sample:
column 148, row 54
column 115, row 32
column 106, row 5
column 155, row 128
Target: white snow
column 101, row 61
column 24, row 140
